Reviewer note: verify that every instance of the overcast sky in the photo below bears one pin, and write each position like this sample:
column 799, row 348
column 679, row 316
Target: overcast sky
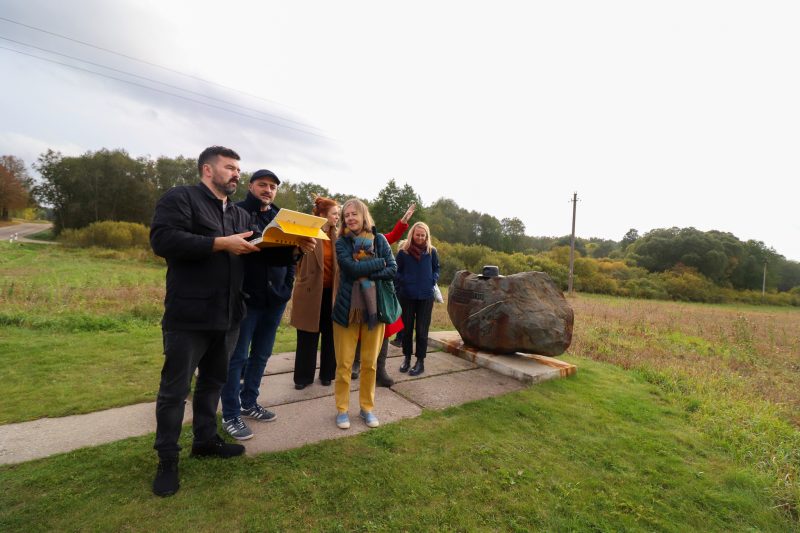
column 657, row 114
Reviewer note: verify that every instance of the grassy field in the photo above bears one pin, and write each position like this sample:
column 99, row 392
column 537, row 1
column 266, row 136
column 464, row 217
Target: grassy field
column 694, row 413
column 604, row 451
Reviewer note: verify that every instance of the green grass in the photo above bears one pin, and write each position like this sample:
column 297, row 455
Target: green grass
column 79, row 330
column 74, row 372
column 605, row 450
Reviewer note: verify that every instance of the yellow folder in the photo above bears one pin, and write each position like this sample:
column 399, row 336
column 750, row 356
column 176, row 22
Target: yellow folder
column 288, row 226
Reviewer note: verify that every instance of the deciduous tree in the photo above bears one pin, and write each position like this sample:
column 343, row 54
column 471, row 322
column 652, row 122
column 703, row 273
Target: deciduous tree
column 13, row 194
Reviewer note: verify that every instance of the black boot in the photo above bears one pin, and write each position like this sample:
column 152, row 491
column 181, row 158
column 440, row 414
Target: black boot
column 166, row 482
column 382, row 379
column 406, row 364
column 419, row 367
column 216, row 447
column 356, row 369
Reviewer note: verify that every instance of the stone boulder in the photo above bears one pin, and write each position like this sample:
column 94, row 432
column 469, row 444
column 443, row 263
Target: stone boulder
column 524, row 312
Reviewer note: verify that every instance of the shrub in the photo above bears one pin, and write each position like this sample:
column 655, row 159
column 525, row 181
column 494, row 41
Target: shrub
column 109, row 234
column 686, row 284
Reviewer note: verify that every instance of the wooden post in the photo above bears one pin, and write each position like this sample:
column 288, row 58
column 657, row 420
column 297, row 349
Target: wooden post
column 572, row 242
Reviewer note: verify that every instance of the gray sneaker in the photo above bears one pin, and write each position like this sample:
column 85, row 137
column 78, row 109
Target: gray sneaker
column 236, row 428
column 259, row 413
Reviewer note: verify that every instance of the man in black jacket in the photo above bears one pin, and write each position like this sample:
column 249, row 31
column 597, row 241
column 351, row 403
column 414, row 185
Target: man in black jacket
column 269, row 287
column 201, row 234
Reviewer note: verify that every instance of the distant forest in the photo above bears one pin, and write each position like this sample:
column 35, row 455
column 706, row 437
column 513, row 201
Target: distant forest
column 665, row 263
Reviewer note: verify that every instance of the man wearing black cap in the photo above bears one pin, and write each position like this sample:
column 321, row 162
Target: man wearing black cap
column 268, row 287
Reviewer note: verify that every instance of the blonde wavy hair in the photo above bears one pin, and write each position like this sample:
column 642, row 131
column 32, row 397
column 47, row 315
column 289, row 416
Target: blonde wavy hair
column 362, row 209
column 406, row 244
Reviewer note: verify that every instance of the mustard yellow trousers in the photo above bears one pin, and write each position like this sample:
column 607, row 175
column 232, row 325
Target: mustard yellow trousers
column 344, row 342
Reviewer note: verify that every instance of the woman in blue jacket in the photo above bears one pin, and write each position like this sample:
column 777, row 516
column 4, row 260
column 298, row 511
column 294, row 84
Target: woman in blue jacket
column 417, row 273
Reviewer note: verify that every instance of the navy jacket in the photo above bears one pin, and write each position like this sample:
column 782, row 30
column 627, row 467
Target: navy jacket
column 266, row 281
column 416, row 279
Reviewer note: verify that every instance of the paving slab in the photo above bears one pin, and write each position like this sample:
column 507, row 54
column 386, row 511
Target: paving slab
column 282, row 363
column 435, row 363
column 527, row 368
column 278, row 389
column 48, row 436
column 314, row 420
column 439, row 392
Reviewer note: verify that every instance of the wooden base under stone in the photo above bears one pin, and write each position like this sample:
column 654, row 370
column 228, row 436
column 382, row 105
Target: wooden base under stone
column 528, row 368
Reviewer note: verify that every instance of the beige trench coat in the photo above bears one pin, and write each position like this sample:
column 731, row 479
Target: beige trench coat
column 307, row 293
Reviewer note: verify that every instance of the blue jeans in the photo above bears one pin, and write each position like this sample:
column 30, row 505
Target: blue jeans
column 256, row 336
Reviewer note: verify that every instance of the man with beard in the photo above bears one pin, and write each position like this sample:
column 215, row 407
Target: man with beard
column 269, row 287
column 201, row 234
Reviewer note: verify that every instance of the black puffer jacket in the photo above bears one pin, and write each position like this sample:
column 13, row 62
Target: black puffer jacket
column 267, row 278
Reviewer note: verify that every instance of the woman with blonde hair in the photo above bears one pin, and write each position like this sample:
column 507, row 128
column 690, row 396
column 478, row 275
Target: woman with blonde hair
column 364, row 257
column 417, row 273
column 315, row 285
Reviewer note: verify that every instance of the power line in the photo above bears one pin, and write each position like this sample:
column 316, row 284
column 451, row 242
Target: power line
column 165, row 92
column 143, row 61
column 155, row 81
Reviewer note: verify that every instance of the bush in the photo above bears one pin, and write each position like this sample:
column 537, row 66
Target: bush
column 109, row 234
column 647, row 287
column 687, row 284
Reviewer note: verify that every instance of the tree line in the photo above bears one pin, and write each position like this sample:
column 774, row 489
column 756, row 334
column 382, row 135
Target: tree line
column 111, row 185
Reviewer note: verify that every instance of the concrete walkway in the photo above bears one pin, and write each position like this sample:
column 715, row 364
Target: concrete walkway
column 304, row 416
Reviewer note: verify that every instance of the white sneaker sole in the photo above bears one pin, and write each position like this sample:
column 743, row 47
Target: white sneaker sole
column 374, row 424
column 240, row 437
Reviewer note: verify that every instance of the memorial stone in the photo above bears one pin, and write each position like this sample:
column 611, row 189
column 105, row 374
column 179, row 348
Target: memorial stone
column 524, row 312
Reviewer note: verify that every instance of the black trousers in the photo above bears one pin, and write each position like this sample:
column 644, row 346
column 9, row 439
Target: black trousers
column 305, row 356
column 416, row 313
column 184, row 351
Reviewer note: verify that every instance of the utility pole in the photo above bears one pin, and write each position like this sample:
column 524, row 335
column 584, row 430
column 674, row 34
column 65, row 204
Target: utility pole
column 572, row 241
column 764, row 282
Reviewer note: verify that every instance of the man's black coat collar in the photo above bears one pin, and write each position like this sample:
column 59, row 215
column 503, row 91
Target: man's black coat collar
column 252, row 204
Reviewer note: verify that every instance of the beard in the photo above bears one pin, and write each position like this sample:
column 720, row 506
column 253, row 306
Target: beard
column 226, row 188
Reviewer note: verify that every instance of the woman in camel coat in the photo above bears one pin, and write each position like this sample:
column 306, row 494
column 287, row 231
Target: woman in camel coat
column 315, row 285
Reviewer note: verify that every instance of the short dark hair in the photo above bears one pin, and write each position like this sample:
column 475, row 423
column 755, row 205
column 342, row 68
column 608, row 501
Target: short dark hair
column 211, row 153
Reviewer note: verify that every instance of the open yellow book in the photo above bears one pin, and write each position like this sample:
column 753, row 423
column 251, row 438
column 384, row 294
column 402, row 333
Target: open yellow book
column 288, row 226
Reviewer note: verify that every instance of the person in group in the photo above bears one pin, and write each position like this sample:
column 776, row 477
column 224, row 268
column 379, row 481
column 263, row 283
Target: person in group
column 312, row 302
column 201, row 234
column 382, row 378
column 417, row 273
column 268, row 287
column 364, row 256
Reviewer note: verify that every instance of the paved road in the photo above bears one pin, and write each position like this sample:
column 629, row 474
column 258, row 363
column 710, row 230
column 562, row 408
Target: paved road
column 23, row 229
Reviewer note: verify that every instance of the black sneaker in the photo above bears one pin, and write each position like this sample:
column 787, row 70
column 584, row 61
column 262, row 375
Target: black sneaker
column 166, row 482
column 259, row 413
column 216, row 448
